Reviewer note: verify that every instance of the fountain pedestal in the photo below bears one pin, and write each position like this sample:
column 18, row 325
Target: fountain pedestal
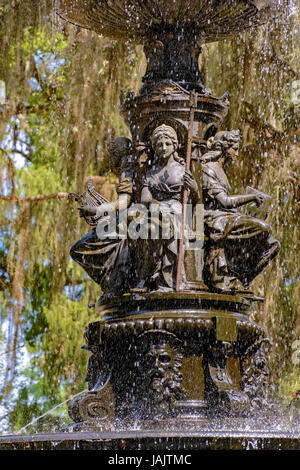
column 184, row 357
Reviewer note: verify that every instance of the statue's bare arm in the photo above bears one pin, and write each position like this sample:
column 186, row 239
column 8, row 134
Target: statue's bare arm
column 231, row 202
column 122, row 203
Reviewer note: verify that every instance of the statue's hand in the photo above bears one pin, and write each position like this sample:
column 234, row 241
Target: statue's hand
column 87, row 211
column 190, row 182
column 259, row 199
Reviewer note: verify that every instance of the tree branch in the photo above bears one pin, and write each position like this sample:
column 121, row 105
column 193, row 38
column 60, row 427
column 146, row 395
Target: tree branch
column 44, row 197
column 4, row 284
column 24, row 155
column 39, row 197
column 14, row 197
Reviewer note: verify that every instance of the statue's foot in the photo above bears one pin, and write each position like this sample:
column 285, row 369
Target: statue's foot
column 229, row 285
column 160, row 289
column 237, row 285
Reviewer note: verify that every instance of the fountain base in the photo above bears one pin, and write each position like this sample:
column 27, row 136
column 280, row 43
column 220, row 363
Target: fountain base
column 183, row 356
column 149, row 440
column 168, row 372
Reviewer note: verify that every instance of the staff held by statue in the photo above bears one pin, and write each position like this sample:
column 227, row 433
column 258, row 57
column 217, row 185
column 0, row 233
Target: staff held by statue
column 193, row 107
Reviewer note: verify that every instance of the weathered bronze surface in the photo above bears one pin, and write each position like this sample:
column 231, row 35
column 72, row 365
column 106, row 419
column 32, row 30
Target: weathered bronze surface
column 174, row 342
column 172, row 356
column 239, row 246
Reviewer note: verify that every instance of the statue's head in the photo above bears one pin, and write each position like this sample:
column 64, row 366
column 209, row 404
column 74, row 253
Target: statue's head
column 119, row 149
column 164, row 141
column 227, row 142
column 161, row 357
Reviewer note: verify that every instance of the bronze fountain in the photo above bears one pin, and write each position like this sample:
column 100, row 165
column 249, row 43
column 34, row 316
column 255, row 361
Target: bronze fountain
column 175, row 255
column 174, row 342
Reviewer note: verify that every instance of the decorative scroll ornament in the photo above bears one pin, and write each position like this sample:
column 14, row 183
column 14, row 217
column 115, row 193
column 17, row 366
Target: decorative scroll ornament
column 94, row 407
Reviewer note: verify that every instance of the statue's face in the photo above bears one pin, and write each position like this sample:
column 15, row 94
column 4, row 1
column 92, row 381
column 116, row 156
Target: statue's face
column 232, row 151
column 159, row 360
column 164, row 147
column 158, row 356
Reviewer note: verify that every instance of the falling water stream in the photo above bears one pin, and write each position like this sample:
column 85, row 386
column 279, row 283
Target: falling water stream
column 35, row 420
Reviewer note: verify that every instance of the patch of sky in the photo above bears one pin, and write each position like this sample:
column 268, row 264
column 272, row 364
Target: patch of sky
column 285, row 199
column 2, row 92
column 48, row 60
column 34, row 84
column 74, row 293
column 4, row 232
column 4, row 275
column 6, row 189
column 11, row 214
column 18, row 147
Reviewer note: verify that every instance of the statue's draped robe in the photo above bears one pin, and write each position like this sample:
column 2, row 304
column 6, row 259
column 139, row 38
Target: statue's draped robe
column 107, row 261
column 161, row 254
column 247, row 241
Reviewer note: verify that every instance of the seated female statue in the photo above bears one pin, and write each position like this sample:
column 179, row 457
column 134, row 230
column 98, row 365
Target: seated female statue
column 162, row 190
column 239, row 246
column 107, row 259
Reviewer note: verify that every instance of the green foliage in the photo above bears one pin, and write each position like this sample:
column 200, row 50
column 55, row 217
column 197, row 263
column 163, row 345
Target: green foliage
column 39, row 179
column 64, row 360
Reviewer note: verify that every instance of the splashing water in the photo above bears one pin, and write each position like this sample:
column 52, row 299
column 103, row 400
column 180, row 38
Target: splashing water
column 35, row 420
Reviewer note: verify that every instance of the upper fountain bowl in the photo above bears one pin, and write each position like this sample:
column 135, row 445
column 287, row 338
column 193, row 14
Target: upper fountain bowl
column 141, row 20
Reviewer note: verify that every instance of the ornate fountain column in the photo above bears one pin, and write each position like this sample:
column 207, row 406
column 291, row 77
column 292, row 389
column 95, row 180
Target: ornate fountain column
column 159, row 353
